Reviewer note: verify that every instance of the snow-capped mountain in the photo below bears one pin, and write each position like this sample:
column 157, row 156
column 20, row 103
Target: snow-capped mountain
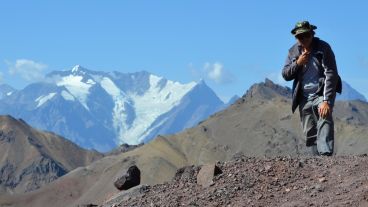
column 349, row 93
column 102, row 110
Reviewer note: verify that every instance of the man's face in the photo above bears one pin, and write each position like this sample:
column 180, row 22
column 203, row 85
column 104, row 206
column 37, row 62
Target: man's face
column 305, row 39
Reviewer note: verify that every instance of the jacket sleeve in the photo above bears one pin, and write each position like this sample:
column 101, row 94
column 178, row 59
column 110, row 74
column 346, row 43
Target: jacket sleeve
column 330, row 72
column 290, row 70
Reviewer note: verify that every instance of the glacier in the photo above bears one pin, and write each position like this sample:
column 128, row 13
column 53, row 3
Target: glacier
column 101, row 110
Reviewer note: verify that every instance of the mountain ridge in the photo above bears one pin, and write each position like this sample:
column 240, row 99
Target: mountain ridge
column 102, row 110
column 31, row 158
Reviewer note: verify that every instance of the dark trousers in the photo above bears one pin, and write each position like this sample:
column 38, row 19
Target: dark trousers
column 319, row 132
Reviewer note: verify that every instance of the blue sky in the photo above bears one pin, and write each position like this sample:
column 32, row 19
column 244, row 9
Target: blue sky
column 230, row 44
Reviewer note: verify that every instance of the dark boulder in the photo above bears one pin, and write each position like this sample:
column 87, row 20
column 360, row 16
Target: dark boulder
column 129, row 178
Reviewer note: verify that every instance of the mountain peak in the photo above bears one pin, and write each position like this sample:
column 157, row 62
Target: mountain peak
column 5, row 119
column 76, row 68
column 201, row 82
column 79, row 70
column 349, row 93
column 267, row 90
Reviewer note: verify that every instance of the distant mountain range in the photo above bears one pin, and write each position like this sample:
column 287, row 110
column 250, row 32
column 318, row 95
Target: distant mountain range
column 103, row 110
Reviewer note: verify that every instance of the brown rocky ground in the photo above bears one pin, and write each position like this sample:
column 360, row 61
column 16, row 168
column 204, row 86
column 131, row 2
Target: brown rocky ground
column 277, row 181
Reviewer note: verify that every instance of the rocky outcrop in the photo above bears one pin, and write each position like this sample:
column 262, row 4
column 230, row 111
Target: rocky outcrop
column 267, row 90
column 129, row 178
column 7, row 136
column 41, row 172
column 7, row 177
column 186, row 174
column 207, row 173
column 38, row 173
column 123, row 148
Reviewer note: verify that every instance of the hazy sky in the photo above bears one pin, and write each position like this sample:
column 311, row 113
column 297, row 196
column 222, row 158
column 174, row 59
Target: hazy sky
column 230, row 44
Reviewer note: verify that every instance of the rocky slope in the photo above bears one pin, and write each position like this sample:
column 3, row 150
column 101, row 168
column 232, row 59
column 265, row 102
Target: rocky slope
column 249, row 181
column 257, row 125
column 30, row 158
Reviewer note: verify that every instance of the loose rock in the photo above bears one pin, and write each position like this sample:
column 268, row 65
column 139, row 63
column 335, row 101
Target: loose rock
column 206, row 174
column 129, row 178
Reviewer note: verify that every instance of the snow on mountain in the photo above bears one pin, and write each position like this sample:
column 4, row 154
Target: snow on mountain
column 199, row 102
column 76, row 87
column 102, row 110
column 43, row 99
column 6, row 90
column 67, row 96
column 160, row 98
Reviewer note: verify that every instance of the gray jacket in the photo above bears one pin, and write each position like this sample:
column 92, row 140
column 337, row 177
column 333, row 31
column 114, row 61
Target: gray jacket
column 329, row 82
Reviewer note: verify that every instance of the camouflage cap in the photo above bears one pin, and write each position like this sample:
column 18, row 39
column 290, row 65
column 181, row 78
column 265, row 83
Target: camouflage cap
column 302, row 27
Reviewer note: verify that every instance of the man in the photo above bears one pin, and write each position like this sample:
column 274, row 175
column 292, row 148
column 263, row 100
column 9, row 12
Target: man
column 311, row 64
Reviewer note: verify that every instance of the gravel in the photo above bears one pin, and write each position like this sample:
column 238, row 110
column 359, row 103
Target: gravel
column 277, row 181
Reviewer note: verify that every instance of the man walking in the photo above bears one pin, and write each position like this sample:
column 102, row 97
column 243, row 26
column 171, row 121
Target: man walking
column 311, row 64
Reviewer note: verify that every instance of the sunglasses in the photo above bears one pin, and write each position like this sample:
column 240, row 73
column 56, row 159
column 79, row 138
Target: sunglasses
column 303, row 36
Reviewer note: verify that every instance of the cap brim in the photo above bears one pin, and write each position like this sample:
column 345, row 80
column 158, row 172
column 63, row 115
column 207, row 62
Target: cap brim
column 297, row 31
column 301, row 31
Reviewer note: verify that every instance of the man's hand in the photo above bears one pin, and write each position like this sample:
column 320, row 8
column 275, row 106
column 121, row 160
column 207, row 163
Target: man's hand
column 324, row 109
column 303, row 58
